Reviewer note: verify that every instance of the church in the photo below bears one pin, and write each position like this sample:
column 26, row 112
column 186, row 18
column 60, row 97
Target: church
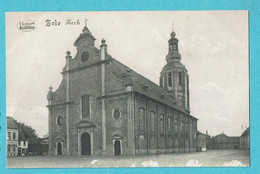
column 104, row 108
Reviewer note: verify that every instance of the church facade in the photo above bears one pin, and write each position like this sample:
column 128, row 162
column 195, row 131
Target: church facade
column 102, row 107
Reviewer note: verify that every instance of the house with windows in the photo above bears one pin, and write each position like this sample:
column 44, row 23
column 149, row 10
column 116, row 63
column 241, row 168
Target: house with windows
column 245, row 139
column 222, row 141
column 15, row 147
column 22, row 148
column 12, row 133
column 102, row 107
column 202, row 141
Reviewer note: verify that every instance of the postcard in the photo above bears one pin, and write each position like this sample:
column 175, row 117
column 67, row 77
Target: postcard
column 108, row 89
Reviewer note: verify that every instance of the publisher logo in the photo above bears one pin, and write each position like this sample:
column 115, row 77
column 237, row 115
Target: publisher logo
column 26, row 26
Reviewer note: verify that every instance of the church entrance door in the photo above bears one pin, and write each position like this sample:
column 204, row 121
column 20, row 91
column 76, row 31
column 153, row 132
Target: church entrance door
column 59, row 149
column 117, row 147
column 85, row 144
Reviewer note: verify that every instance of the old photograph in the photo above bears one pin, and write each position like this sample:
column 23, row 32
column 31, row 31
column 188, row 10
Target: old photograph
column 127, row 89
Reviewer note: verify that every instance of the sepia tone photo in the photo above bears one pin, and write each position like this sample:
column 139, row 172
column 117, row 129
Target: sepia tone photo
column 127, row 89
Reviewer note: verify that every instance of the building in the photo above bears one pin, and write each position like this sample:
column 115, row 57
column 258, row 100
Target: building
column 12, row 133
column 22, row 148
column 245, row 139
column 44, row 146
column 38, row 146
column 222, row 141
column 15, row 147
column 102, row 107
column 202, row 141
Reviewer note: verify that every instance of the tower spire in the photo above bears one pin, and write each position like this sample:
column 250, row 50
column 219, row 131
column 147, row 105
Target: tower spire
column 174, row 76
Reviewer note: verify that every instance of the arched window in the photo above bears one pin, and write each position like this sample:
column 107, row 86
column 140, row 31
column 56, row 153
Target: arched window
column 142, row 120
column 169, row 125
column 187, row 130
column 152, row 114
column 163, row 81
column 169, row 79
column 176, row 128
column 175, row 47
column 162, row 125
column 180, row 78
column 194, row 133
column 181, row 129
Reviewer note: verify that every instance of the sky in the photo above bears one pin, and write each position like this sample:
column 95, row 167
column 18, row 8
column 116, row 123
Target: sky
column 213, row 45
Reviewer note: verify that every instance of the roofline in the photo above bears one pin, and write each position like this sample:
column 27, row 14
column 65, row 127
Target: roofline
column 178, row 109
column 198, row 132
column 12, row 119
column 227, row 135
column 113, row 59
column 13, row 128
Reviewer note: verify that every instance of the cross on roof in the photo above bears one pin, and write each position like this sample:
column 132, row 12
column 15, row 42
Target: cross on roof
column 86, row 20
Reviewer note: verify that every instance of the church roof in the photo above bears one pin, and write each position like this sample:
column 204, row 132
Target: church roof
column 224, row 135
column 10, row 123
column 246, row 132
column 172, row 65
column 152, row 91
column 200, row 133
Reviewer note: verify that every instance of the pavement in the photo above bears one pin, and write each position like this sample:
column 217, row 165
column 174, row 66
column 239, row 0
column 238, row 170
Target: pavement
column 210, row 158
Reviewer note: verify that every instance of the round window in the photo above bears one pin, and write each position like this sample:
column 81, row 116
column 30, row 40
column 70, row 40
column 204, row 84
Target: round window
column 84, row 56
column 116, row 114
column 59, row 120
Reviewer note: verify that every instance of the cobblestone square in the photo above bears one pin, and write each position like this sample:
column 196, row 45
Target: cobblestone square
column 211, row 158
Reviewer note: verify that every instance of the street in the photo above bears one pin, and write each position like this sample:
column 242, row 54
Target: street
column 216, row 158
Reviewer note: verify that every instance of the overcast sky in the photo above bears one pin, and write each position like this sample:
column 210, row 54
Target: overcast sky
column 213, row 45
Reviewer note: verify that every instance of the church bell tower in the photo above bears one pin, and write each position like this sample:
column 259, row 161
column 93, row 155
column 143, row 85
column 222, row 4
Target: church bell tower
column 174, row 76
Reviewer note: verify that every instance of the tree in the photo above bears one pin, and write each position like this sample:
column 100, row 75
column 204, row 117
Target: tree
column 26, row 132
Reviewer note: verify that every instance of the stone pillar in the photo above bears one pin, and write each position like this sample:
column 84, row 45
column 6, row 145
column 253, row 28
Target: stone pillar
column 103, row 48
column 68, row 59
column 79, row 142
column 179, row 132
column 188, row 93
column 130, row 125
column 185, row 92
column 191, row 139
column 50, row 98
